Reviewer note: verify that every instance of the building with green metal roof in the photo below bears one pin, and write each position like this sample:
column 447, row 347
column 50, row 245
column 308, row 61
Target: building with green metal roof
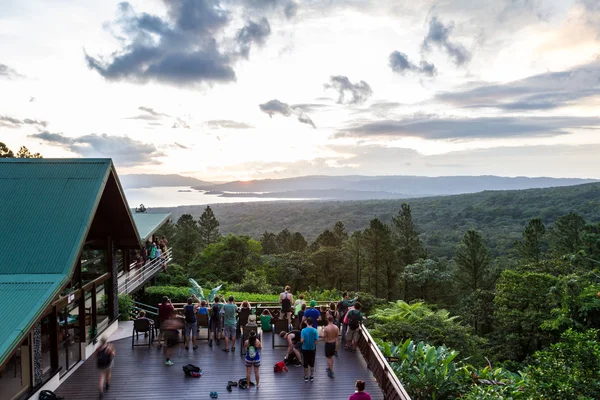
column 55, row 216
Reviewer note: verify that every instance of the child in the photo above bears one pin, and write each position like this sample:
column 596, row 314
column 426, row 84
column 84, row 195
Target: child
column 265, row 320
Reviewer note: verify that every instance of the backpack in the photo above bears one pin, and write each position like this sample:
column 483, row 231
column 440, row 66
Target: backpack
column 353, row 320
column 214, row 311
column 189, row 314
column 280, row 367
column 192, row 370
column 104, row 358
column 252, row 352
column 342, row 312
column 49, row 395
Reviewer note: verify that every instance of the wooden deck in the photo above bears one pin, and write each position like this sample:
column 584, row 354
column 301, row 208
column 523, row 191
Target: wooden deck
column 140, row 373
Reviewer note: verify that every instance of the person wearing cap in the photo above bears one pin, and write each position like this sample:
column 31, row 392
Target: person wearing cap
column 312, row 312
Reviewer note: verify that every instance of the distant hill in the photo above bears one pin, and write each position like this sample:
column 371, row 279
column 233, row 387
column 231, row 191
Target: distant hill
column 442, row 220
column 383, row 187
column 136, row 181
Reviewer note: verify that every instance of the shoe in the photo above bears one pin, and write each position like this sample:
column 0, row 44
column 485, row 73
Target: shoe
column 297, row 364
column 107, row 386
column 232, row 383
column 101, row 395
column 229, row 388
column 187, row 348
column 226, row 350
column 210, row 343
column 195, row 347
column 169, row 363
column 305, row 379
column 312, row 379
column 233, row 349
column 257, row 385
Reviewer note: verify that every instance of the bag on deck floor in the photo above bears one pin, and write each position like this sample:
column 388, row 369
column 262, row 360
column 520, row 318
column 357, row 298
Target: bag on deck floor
column 49, row 395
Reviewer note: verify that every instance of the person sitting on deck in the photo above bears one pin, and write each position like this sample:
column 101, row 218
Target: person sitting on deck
column 360, row 393
column 244, row 313
column 142, row 315
column 265, row 320
column 202, row 310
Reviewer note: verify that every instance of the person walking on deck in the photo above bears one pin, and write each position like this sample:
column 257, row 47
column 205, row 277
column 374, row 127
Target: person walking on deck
column 171, row 334
column 330, row 334
column 104, row 361
column 229, row 322
column 309, row 337
column 165, row 309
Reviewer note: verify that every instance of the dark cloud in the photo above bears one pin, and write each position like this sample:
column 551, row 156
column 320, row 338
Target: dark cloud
column 539, row 92
column 181, row 49
column 149, row 114
column 400, row 63
column 11, row 122
column 277, row 107
column 253, row 32
column 428, row 127
column 228, row 124
column 359, row 91
column 122, row 149
column 8, row 72
column 439, row 36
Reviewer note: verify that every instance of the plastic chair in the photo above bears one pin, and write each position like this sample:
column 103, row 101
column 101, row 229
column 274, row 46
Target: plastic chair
column 142, row 325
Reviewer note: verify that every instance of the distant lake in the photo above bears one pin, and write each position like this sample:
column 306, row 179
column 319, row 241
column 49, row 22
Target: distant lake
column 173, row 196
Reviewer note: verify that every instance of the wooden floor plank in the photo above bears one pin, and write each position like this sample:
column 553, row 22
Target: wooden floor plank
column 140, row 373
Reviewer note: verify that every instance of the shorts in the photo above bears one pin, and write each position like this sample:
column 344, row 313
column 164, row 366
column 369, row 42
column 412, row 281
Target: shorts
column 191, row 329
column 329, row 350
column 286, row 310
column 229, row 331
column 309, row 358
column 172, row 338
column 352, row 334
column 298, row 346
column 253, row 363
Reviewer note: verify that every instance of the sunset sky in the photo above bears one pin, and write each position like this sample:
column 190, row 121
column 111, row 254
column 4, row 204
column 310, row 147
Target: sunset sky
column 252, row 89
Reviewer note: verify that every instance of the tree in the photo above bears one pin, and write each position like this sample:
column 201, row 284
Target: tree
column 229, row 258
column 141, row 209
column 354, row 255
column 378, row 248
column 297, row 242
column 167, row 230
column 5, row 152
column 425, row 278
column 565, row 234
column 187, row 240
column 283, row 241
column 326, row 238
column 531, row 247
column 328, row 260
column 25, row 153
column 473, row 260
column 208, row 226
column 339, row 231
column 268, row 241
column 406, row 239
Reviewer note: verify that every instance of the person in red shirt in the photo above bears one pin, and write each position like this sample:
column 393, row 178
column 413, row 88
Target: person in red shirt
column 360, row 393
column 164, row 313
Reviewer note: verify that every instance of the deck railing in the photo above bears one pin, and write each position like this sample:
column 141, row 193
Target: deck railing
column 136, row 277
column 386, row 378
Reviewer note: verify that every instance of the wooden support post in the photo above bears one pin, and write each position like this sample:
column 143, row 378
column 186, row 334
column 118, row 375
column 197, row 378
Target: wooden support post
column 54, row 339
column 82, row 319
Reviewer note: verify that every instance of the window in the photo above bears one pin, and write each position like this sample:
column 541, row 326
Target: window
column 69, row 348
column 15, row 376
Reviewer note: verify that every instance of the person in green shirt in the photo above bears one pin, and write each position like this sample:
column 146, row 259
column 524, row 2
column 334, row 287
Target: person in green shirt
column 265, row 320
column 229, row 323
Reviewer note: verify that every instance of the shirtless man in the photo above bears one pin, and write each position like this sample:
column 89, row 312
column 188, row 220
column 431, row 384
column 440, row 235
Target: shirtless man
column 330, row 334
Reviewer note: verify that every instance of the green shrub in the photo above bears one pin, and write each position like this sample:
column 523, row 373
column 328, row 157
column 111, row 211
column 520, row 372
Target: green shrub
column 125, row 303
column 153, row 295
column 253, row 282
column 175, row 276
column 491, row 383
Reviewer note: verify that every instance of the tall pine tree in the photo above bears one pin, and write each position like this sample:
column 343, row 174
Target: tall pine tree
column 473, row 260
column 186, row 241
column 532, row 245
column 406, row 240
column 208, row 226
column 378, row 249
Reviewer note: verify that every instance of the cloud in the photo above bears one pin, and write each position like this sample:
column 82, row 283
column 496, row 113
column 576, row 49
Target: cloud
column 180, row 123
column 228, row 124
column 11, row 122
column 539, row 92
column 181, row 146
column 122, row 149
column 288, row 7
column 277, row 107
column 439, row 36
column 8, row 72
column 253, row 32
column 149, row 114
column 400, row 63
column 429, row 127
column 309, row 107
column 180, row 49
column 360, row 91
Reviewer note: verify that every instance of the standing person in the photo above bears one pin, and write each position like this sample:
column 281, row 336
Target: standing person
column 343, row 307
column 301, row 323
column 252, row 359
column 330, row 334
column 215, row 322
column 191, row 324
column 165, row 309
column 229, row 323
column 353, row 319
column 164, row 242
column 293, row 339
column 309, row 337
column 298, row 304
column 139, row 260
column 286, row 299
column 171, row 333
column 360, row 393
column 152, row 251
column 104, row 361
column 265, row 320
column 312, row 312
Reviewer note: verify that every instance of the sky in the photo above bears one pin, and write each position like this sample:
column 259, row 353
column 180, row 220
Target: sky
column 253, row 89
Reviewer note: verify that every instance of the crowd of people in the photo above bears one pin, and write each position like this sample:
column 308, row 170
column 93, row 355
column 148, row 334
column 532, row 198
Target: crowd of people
column 306, row 325
column 154, row 248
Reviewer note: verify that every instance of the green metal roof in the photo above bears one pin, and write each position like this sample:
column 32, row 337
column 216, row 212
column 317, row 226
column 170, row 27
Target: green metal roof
column 148, row 224
column 46, row 209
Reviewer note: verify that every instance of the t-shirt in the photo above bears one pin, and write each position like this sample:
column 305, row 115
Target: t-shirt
column 265, row 322
column 310, row 336
column 297, row 335
column 312, row 313
column 229, row 312
column 202, row 311
column 360, row 396
column 164, row 311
